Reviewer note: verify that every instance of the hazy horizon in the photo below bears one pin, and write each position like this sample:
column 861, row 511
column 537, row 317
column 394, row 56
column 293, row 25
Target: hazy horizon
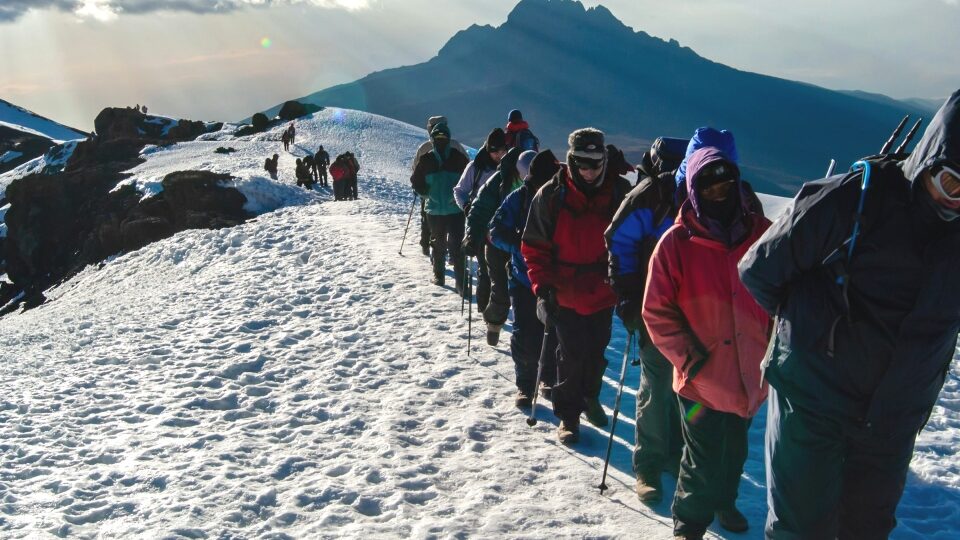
column 68, row 59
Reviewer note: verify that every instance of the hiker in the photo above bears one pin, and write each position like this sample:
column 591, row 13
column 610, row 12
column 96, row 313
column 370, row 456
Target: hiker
column 564, row 249
column 293, row 133
column 434, row 175
column 270, row 165
column 527, row 337
column 285, row 139
column 425, row 148
column 866, row 331
column 310, row 166
column 518, row 133
column 645, row 214
column 303, row 175
column 509, row 176
column 351, row 186
column 473, row 178
column 340, row 171
column 321, row 161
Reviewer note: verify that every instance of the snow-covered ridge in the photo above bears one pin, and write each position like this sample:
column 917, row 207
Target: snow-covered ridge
column 21, row 119
column 295, row 377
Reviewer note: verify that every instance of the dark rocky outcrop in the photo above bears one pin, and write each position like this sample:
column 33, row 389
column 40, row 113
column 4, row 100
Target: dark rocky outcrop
column 294, row 109
column 61, row 221
column 22, row 147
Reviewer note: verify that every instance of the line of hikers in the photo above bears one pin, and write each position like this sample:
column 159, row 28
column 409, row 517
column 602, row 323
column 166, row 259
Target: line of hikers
column 311, row 170
column 845, row 306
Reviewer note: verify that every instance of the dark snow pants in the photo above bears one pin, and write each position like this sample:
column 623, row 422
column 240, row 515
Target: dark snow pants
column 580, row 360
column 483, row 281
column 659, row 442
column 527, row 340
column 446, row 232
column 498, row 308
column 829, row 478
column 714, row 451
column 424, row 225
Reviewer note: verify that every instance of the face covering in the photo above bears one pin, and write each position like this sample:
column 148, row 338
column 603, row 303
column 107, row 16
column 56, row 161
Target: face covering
column 930, row 207
column 725, row 211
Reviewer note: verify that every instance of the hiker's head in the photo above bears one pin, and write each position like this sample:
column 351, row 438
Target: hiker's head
column 587, row 156
column 523, row 163
column 515, row 116
column 543, row 167
column 496, row 144
column 440, row 135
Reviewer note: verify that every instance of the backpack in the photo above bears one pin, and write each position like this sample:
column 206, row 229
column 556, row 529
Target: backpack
column 526, row 140
column 339, row 170
column 266, row 165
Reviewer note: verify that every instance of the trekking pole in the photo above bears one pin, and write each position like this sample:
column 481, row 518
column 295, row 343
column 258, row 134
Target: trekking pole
column 415, row 197
column 830, row 168
column 616, row 412
column 463, row 299
column 547, row 328
column 894, row 135
column 913, row 131
column 469, row 286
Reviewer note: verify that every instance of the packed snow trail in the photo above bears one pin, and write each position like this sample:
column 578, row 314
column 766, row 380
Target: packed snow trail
column 294, row 377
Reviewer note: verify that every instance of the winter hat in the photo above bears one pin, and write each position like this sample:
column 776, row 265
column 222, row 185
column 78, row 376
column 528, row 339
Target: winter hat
column 434, row 120
column 586, row 143
column 704, row 137
column 440, row 131
column 515, row 116
column 496, row 140
column 523, row 163
column 543, row 167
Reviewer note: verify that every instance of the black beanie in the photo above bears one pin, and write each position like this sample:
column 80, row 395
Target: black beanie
column 543, row 167
column 515, row 116
column 497, row 139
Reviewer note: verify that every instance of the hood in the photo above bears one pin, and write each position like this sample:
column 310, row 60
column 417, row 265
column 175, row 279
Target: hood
column 700, row 159
column 517, row 126
column 706, row 226
column 940, row 141
column 508, row 165
column 708, row 137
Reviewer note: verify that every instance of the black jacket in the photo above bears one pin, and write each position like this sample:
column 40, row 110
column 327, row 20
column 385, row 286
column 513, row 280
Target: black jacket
column 880, row 353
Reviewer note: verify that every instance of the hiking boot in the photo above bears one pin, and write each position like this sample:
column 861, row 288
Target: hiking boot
column 438, row 280
column 493, row 334
column 569, row 432
column 595, row 413
column 523, row 399
column 688, row 536
column 425, row 250
column 649, row 488
column 546, row 392
column 732, row 520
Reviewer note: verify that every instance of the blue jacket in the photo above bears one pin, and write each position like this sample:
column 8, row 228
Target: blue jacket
column 506, row 228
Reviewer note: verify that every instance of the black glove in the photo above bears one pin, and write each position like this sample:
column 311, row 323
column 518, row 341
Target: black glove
column 629, row 311
column 617, row 162
column 547, row 306
column 469, row 246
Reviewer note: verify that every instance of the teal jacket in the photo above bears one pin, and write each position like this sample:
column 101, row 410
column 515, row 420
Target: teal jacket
column 434, row 176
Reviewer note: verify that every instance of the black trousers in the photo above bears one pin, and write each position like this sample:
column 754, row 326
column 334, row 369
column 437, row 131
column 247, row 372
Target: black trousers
column 526, row 341
column 714, row 451
column 424, row 224
column 497, row 308
column 446, row 234
column 580, row 360
column 322, row 171
column 339, row 190
column 483, row 281
column 659, row 441
column 828, row 478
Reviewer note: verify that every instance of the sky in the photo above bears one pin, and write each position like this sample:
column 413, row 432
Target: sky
column 226, row 59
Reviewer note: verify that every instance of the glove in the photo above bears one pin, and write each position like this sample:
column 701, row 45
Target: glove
column 629, row 309
column 547, row 306
column 469, row 246
column 617, row 162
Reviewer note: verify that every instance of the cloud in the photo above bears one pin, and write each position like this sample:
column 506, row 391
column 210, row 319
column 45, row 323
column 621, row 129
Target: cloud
column 106, row 10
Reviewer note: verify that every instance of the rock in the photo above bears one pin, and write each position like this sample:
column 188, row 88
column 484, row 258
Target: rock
column 294, row 109
column 197, row 200
column 260, row 121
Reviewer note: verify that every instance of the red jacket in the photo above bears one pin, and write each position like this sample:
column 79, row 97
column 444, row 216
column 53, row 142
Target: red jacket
column 703, row 319
column 563, row 242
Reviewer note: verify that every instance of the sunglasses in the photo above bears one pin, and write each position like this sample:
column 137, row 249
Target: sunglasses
column 718, row 191
column 587, row 164
column 947, row 182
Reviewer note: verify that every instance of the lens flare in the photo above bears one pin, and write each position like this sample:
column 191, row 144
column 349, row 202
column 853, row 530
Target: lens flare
column 266, row 43
column 695, row 413
column 339, row 116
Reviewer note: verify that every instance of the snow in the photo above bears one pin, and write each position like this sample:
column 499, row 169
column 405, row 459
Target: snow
column 21, row 119
column 294, row 377
column 52, row 162
column 10, row 155
column 3, row 224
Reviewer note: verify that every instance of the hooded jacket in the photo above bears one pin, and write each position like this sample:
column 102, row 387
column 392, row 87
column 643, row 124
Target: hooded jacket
column 704, row 321
column 491, row 195
column 434, row 176
column 563, row 240
column 473, row 178
column 879, row 354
